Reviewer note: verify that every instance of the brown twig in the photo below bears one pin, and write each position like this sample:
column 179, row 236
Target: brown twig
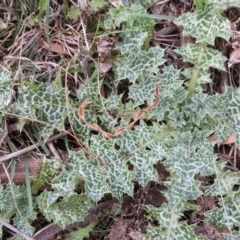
column 32, row 147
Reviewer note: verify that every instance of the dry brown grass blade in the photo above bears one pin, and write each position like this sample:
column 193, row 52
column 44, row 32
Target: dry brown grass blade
column 119, row 130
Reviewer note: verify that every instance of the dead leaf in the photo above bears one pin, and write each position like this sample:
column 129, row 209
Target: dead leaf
column 234, row 57
column 2, row 24
column 136, row 235
column 54, row 47
column 105, row 45
column 209, row 232
column 116, row 3
column 231, row 139
column 105, row 66
column 120, row 229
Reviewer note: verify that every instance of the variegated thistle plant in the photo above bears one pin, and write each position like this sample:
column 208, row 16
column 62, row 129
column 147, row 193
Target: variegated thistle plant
column 181, row 116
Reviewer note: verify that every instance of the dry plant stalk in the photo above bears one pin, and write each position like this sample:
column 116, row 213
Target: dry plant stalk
column 121, row 129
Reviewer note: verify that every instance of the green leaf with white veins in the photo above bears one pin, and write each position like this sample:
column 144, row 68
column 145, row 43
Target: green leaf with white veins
column 5, row 88
column 129, row 16
column 194, row 154
column 24, row 225
column 81, row 130
column 182, row 190
column 92, row 171
column 223, row 4
column 131, row 39
column 67, row 211
column 178, row 232
column 120, row 178
column 142, row 2
column 13, row 199
column 223, row 183
column 205, row 25
column 43, row 102
column 201, row 106
column 228, row 214
column 139, row 62
column 202, row 78
column 170, row 227
column 231, row 101
column 163, row 213
column 144, row 91
column 202, row 57
column 143, row 162
column 63, row 186
column 89, row 91
column 229, row 121
column 168, row 104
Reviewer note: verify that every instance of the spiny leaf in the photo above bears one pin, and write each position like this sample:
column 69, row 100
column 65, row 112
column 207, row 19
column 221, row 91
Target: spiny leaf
column 94, row 174
column 223, row 4
column 24, row 225
column 176, row 119
column 202, row 56
column 67, row 211
column 144, row 91
column 81, row 130
column 89, row 91
column 143, row 162
column 178, row 232
column 5, row 88
column 63, row 186
column 49, row 168
column 43, row 102
column 129, row 16
column 223, row 183
column 231, row 101
column 201, row 106
column 228, row 122
column 202, row 78
column 205, row 25
column 194, row 154
column 139, row 62
column 82, row 232
column 131, row 39
column 119, row 177
column 228, row 214
column 182, row 190
column 18, row 203
column 170, row 227
column 168, row 104
column 142, row 2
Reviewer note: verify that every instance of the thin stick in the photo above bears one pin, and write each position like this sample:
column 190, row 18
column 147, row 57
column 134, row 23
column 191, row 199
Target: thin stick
column 30, row 148
column 9, row 226
column 85, row 35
